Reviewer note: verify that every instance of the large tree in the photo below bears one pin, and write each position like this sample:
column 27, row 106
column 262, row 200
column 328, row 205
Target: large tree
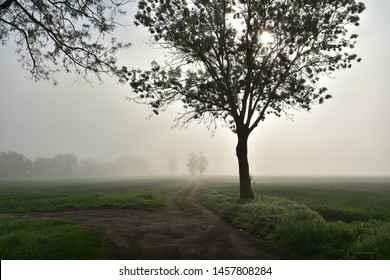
column 237, row 62
column 75, row 35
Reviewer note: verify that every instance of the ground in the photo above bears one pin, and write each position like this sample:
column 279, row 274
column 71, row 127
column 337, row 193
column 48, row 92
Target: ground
column 171, row 233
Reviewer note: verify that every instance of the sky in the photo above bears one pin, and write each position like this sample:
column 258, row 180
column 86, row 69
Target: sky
column 348, row 135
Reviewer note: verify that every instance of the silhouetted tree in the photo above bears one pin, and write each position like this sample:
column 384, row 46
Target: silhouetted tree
column 241, row 61
column 67, row 34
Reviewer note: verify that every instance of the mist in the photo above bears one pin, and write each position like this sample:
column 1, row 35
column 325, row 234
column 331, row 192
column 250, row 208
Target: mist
column 347, row 136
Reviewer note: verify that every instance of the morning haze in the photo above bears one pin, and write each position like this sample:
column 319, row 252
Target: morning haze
column 347, row 136
column 99, row 178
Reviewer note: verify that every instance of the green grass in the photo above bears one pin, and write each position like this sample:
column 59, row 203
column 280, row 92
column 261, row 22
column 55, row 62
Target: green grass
column 185, row 204
column 308, row 219
column 47, row 239
column 336, row 201
column 311, row 220
column 47, row 196
column 22, row 238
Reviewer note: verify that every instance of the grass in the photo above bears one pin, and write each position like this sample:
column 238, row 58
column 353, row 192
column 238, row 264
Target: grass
column 185, row 204
column 47, row 239
column 22, row 238
column 311, row 220
column 48, row 196
column 308, row 219
column 337, row 201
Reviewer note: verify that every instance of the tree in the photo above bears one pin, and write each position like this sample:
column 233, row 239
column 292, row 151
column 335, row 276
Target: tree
column 14, row 165
column 41, row 168
column 63, row 165
column 90, row 168
column 67, row 34
column 197, row 164
column 202, row 164
column 236, row 62
column 192, row 163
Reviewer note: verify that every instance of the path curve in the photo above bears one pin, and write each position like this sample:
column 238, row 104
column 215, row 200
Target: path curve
column 171, row 233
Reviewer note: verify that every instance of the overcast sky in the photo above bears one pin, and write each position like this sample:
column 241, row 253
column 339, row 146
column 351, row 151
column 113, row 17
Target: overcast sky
column 348, row 135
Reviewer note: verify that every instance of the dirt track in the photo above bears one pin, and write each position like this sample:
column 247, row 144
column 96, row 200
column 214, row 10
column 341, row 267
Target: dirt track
column 171, row 233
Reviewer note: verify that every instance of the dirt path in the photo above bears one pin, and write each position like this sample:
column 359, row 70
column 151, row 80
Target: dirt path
column 171, row 233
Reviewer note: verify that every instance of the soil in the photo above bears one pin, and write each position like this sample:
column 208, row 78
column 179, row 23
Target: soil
column 171, row 233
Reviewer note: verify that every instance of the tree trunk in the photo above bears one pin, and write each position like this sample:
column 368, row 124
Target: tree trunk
column 243, row 167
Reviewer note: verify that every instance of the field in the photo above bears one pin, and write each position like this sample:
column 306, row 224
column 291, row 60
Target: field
column 312, row 218
column 339, row 218
column 22, row 238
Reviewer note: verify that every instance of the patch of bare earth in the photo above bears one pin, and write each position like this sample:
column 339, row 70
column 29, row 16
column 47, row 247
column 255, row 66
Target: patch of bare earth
column 171, row 233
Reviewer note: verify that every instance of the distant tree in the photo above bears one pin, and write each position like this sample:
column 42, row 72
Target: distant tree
column 173, row 164
column 63, row 165
column 197, row 164
column 192, row 163
column 90, row 168
column 202, row 164
column 14, row 165
column 238, row 62
column 50, row 35
column 41, row 168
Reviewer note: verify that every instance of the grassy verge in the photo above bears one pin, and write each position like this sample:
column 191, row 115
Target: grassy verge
column 289, row 219
column 47, row 239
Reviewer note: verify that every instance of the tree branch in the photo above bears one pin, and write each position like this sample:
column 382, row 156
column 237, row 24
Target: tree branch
column 6, row 4
column 25, row 35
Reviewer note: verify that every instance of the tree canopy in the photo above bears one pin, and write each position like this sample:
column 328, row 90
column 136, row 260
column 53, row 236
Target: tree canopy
column 70, row 35
column 13, row 165
column 237, row 62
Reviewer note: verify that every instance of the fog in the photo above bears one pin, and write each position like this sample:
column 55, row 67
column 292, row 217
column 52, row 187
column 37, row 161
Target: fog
column 346, row 136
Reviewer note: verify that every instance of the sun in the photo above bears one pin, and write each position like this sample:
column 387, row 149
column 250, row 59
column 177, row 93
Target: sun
column 266, row 37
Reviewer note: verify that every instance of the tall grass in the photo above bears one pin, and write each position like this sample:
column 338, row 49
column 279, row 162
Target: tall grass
column 292, row 219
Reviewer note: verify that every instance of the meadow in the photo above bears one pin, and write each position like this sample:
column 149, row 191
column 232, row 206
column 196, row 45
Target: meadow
column 339, row 218
column 312, row 218
column 22, row 238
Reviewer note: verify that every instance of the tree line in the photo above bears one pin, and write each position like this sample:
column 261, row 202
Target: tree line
column 14, row 165
column 17, row 166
